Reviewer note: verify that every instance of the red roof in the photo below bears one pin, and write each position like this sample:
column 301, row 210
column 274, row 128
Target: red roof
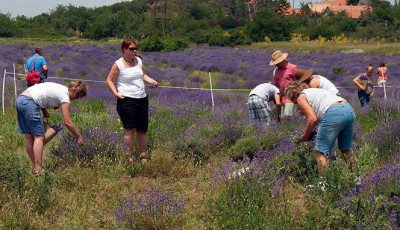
column 336, row 6
column 336, row 2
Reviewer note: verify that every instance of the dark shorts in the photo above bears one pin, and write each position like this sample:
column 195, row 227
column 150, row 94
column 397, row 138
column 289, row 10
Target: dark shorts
column 134, row 113
column 29, row 118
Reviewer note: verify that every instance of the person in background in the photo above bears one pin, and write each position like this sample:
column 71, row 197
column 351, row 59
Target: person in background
column 333, row 114
column 259, row 99
column 382, row 74
column 132, row 100
column 364, row 85
column 40, row 64
column 315, row 81
column 283, row 74
column 30, row 123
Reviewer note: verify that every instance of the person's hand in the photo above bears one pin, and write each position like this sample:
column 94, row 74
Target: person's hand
column 304, row 138
column 46, row 114
column 80, row 141
column 45, row 76
column 154, row 83
column 120, row 96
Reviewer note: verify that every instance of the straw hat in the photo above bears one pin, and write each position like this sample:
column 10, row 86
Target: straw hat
column 303, row 74
column 278, row 57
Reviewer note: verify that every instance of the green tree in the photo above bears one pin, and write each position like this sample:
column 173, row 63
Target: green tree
column 7, row 26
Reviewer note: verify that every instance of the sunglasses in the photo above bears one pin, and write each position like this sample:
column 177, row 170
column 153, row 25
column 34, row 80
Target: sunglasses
column 132, row 48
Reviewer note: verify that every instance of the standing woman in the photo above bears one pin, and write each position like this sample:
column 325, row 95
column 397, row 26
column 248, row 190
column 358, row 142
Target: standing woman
column 334, row 116
column 30, row 123
column 382, row 74
column 365, row 84
column 132, row 100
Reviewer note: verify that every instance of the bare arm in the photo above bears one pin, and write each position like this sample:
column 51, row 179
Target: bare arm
column 315, row 82
column 278, row 106
column 114, row 72
column 148, row 79
column 308, row 111
column 45, row 70
column 357, row 83
column 68, row 122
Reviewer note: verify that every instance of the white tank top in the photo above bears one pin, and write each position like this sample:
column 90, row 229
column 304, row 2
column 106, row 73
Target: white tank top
column 130, row 80
column 320, row 100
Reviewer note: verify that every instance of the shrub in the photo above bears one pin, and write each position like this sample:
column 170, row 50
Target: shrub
column 374, row 202
column 219, row 40
column 98, row 143
column 152, row 210
column 175, row 45
column 151, row 45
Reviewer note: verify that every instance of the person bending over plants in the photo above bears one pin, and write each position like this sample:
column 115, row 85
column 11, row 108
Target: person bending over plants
column 258, row 101
column 333, row 114
column 30, row 123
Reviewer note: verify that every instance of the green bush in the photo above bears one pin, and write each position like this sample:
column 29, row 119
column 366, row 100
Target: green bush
column 239, row 38
column 219, row 40
column 158, row 45
column 175, row 45
column 151, row 45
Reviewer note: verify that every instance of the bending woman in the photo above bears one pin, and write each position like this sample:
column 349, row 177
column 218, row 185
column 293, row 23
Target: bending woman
column 333, row 113
column 30, row 123
column 132, row 100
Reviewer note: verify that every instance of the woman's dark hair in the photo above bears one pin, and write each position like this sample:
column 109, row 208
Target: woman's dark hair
column 382, row 64
column 126, row 43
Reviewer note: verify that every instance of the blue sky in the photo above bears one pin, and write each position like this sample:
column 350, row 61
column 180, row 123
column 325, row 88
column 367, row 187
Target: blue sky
column 31, row 8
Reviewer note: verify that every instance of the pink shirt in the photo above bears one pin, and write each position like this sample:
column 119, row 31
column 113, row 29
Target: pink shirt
column 382, row 71
column 282, row 77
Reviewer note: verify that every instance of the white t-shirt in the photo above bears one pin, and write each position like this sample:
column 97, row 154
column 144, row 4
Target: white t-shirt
column 320, row 100
column 130, row 80
column 266, row 91
column 49, row 94
column 326, row 84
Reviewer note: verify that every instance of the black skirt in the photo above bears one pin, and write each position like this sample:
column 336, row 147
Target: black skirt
column 134, row 113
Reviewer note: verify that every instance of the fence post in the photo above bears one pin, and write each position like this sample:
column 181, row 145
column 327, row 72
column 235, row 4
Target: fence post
column 4, row 83
column 211, row 89
column 15, row 83
column 384, row 89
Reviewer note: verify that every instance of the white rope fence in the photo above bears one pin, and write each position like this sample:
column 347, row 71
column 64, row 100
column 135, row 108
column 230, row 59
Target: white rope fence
column 211, row 89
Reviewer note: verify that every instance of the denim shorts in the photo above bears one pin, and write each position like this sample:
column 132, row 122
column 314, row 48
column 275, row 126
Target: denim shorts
column 337, row 123
column 29, row 118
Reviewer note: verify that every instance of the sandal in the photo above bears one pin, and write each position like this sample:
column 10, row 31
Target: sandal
column 38, row 172
column 143, row 159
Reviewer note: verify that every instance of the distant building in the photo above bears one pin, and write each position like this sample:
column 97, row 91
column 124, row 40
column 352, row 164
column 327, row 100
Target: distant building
column 338, row 6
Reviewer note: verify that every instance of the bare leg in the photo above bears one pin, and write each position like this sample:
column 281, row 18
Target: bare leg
column 142, row 141
column 322, row 161
column 349, row 157
column 129, row 142
column 38, row 152
column 29, row 139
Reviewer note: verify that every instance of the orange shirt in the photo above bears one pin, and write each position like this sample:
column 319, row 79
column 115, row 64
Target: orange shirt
column 382, row 73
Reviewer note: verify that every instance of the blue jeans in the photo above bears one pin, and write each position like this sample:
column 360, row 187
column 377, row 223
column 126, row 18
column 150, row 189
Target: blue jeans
column 337, row 123
column 363, row 97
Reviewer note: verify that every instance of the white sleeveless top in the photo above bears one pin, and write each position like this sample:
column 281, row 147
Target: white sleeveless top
column 320, row 100
column 130, row 80
column 326, row 84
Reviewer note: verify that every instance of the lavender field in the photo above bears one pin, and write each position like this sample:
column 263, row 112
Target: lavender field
column 211, row 167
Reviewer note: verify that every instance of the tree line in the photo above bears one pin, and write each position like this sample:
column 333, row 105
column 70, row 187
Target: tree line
column 213, row 22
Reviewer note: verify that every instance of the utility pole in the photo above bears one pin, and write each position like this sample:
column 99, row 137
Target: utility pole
column 163, row 18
